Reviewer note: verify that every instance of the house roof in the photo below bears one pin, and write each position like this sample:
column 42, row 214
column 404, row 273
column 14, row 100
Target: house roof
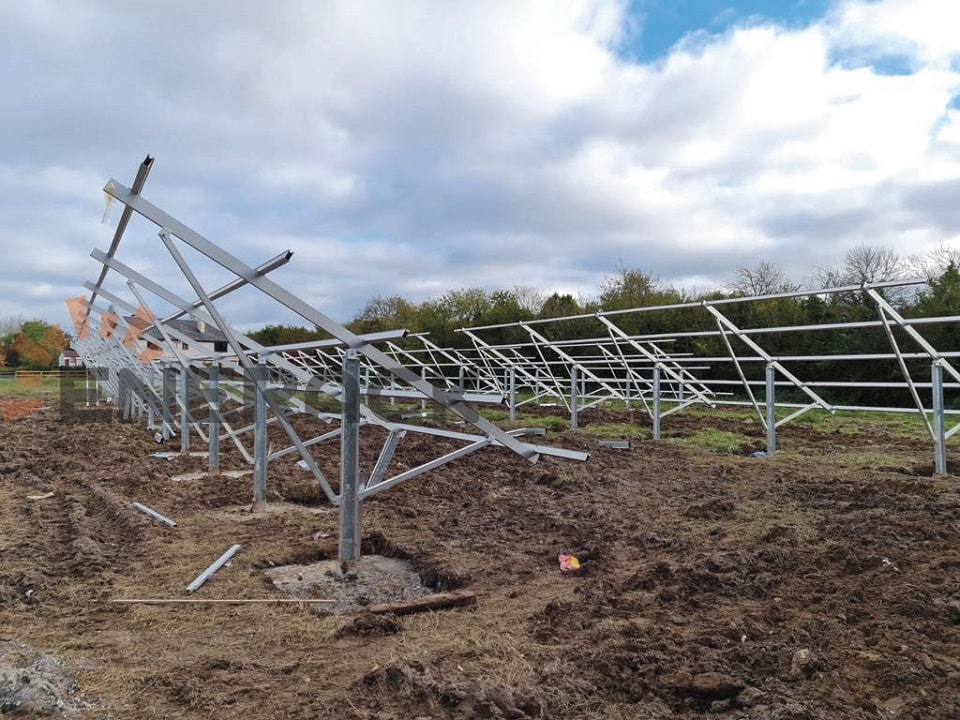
column 190, row 329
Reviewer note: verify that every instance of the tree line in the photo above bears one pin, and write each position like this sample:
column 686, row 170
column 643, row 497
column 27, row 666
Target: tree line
column 30, row 344
column 636, row 288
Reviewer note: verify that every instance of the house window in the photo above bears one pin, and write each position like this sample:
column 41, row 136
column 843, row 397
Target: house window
column 220, row 346
column 184, row 346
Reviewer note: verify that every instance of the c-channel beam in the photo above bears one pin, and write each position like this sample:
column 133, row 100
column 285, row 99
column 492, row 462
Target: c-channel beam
column 570, row 359
column 177, row 301
column 270, row 265
column 263, row 393
column 912, row 332
column 125, row 216
column 168, row 334
column 308, row 312
column 615, row 329
column 486, row 351
column 186, row 372
column 723, row 320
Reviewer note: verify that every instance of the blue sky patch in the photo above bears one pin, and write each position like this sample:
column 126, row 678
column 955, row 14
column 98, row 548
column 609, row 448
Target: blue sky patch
column 661, row 24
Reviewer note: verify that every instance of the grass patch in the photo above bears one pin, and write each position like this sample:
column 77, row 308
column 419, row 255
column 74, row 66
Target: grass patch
column 718, row 441
column 614, row 430
column 908, row 425
column 29, row 386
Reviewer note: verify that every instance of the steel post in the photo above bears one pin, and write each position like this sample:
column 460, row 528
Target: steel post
column 184, row 412
column 513, row 393
column 771, row 402
column 349, row 548
column 423, row 376
column 213, row 436
column 573, row 397
column 939, row 435
column 656, row 401
column 166, row 374
column 259, row 372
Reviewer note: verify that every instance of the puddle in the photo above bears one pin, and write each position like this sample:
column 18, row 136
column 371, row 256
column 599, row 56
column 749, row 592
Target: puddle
column 379, row 580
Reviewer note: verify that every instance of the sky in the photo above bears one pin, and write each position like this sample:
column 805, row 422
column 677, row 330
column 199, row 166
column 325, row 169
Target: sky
column 416, row 147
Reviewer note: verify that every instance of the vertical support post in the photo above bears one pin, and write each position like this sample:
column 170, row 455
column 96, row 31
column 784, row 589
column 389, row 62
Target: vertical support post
column 513, row 393
column 123, row 397
column 184, row 412
column 151, row 418
column 167, row 382
column 939, row 435
column 260, row 436
column 656, row 401
column 349, row 547
column 460, row 379
column 771, row 400
column 573, row 397
column 86, row 383
column 423, row 376
column 213, row 434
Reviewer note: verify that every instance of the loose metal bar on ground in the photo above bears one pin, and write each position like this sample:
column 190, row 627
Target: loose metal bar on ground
column 208, row 573
column 154, row 514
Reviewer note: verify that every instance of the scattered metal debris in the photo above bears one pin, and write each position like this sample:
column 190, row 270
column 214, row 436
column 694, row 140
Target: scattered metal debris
column 208, row 573
column 154, row 514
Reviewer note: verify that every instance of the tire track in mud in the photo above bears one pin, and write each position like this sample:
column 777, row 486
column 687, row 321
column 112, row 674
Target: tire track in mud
column 75, row 527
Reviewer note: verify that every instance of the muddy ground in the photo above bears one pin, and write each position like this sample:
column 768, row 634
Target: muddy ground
column 821, row 583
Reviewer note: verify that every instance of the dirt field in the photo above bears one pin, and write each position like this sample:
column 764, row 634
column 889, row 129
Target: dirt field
column 821, row 583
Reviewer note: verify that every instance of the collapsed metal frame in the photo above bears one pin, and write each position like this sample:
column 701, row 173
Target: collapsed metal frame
column 152, row 377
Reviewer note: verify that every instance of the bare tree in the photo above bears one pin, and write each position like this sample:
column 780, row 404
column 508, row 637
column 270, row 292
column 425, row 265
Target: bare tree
column 932, row 265
column 764, row 278
column 861, row 264
column 529, row 298
column 867, row 264
column 10, row 325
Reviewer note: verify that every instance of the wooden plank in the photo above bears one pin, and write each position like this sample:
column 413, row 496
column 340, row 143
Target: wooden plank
column 428, row 602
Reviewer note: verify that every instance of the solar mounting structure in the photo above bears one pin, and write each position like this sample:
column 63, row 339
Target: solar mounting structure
column 665, row 373
column 156, row 372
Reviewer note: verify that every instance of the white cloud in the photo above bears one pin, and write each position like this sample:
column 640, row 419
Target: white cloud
column 418, row 147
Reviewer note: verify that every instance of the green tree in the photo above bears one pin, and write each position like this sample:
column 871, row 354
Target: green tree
column 286, row 335
column 37, row 345
column 385, row 313
column 941, row 300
